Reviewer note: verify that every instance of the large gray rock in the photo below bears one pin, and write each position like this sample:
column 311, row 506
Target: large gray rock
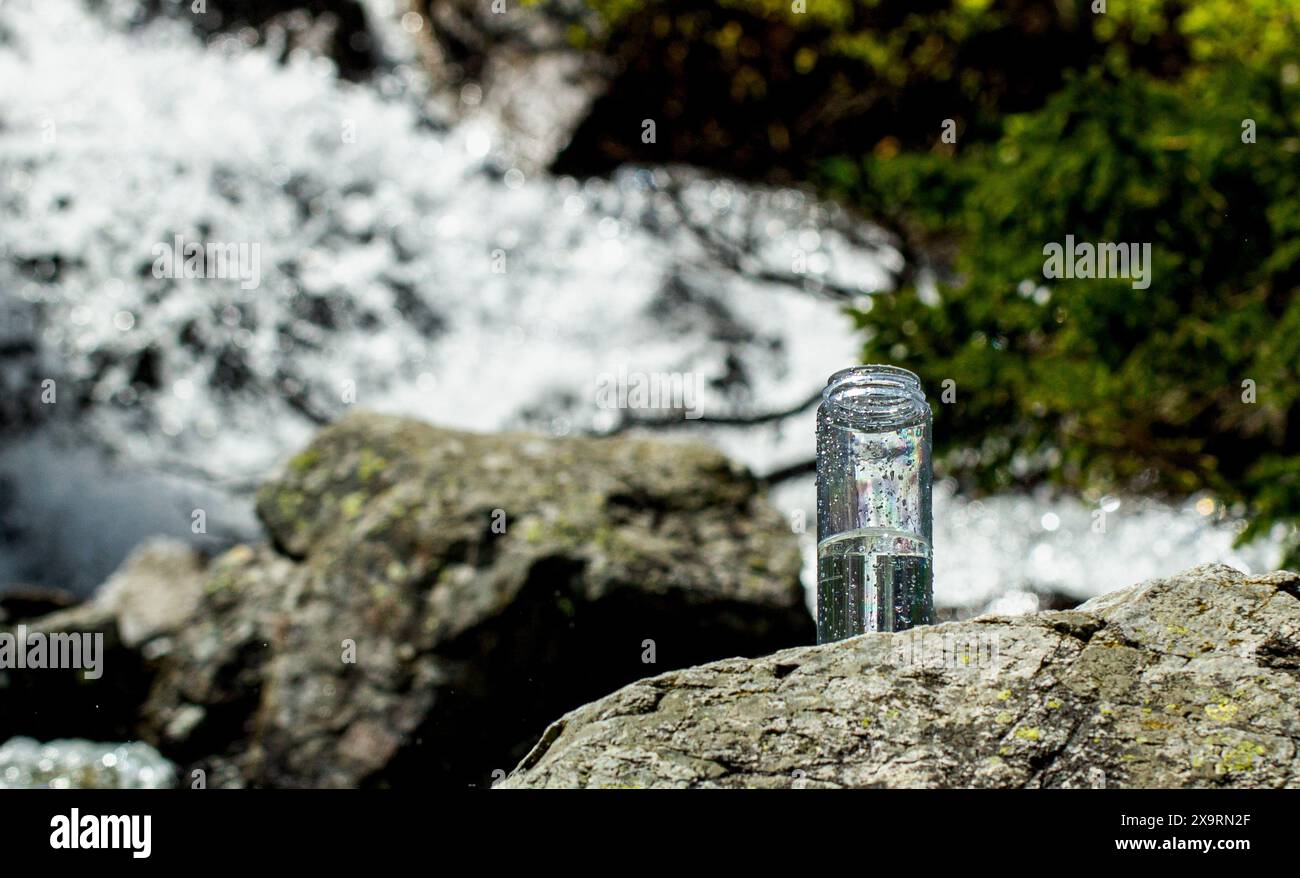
column 431, row 599
column 1188, row 681
column 154, row 593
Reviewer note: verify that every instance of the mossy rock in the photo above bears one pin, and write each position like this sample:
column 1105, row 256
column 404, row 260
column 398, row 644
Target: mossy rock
column 1106, row 695
column 483, row 583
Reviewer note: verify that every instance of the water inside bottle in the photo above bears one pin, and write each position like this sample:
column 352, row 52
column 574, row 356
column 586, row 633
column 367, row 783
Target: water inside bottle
column 872, row 579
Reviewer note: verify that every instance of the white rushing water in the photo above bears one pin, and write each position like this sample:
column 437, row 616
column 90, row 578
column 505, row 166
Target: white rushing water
column 402, row 265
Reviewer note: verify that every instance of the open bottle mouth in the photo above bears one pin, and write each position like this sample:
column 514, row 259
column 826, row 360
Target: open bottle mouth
column 876, row 396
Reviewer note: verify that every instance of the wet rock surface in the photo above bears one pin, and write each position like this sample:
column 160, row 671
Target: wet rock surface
column 432, row 598
column 1187, row 681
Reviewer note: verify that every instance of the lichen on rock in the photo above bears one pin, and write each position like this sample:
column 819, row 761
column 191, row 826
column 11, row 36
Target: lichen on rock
column 1187, row 681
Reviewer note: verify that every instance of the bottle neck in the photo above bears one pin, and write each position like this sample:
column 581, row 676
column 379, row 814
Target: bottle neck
column 876, row 397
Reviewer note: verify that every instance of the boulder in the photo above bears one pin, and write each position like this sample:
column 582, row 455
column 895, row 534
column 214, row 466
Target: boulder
column 154, row 592
column 1189, row 681
column 150, row 597
column 430, row 599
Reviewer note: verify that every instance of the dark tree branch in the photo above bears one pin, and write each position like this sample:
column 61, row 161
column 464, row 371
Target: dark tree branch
column 730, row 256
column 630, row 419
column 793, row 471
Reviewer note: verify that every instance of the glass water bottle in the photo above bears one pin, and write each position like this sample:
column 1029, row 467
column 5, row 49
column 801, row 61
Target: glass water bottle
column 873, row 503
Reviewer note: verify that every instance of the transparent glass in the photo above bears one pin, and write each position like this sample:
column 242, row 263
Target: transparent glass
column 874, row 477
